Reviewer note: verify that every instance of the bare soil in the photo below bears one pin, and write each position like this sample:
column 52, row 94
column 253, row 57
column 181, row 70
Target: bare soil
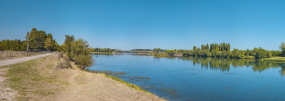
column 6, row 93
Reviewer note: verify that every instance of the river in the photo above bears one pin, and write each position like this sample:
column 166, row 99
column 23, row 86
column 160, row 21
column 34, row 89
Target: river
column 198, row 78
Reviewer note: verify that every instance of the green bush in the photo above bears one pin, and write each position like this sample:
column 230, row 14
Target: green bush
column 84, row 60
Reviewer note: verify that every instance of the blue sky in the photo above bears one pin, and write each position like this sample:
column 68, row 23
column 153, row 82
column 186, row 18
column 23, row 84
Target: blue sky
column 148, row 24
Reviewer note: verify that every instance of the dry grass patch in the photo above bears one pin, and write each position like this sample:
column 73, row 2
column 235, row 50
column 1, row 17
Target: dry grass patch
column 35, row 79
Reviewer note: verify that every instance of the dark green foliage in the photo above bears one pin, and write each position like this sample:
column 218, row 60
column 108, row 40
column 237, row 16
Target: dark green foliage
column 37, row 39
column 276, row 53
column 84, row 60
column 78, row 51
column 261, row 53
column 37, row 42
column 223, row 50
column 156, row 49
column 67, row 42
column 194, row 48
column 79, row 47
column 102, row 50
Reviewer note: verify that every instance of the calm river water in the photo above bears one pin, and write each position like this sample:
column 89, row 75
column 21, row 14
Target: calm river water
column 197, row 78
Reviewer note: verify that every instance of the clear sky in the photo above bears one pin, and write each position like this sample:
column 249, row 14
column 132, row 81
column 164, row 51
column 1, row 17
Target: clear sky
column 148, row 24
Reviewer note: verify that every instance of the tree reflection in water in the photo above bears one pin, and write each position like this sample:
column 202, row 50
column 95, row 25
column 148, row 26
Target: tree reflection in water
column 223, row 64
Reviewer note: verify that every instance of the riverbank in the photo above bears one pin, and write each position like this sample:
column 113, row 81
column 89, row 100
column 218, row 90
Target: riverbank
column 104, row 53
column 39, row 80
column 274, row 59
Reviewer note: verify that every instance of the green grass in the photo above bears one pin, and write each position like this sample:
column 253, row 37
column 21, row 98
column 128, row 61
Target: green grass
column 128, row 84
column 102, row 53
column 160, row 55
column 274, row 59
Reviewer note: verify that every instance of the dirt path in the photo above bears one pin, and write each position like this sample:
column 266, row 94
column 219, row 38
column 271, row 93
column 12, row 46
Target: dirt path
column 19, row 60
column 6, row 93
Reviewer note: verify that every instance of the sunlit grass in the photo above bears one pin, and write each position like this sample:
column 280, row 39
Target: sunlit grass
column 274, row 59
column 27, row 79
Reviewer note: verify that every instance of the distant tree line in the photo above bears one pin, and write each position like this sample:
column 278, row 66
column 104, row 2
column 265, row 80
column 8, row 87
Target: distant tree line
column 102, row 50
column 224, row 64
column 223, row 50
column 38, row 40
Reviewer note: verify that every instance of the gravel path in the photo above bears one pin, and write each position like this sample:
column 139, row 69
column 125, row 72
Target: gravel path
column 24, row 59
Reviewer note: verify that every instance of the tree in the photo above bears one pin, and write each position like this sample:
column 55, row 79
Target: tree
column 67, row 42
column 269, row 54
column 235, row 52
column 48, row 44
column 79, row 47
column 1, row 47
column 37, row 39
column 258, row 55
column 28, row 38
column 23, row 45
column 282, row 48
column 217, row 51
column 241, row 54
column 156, row 49
column 79, row 51
column 194, row 48
column 229, row 54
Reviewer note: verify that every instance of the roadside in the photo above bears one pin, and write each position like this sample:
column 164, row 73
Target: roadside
column 15, row 54
column 6, row 92
column 38, row 80
column 19, row 60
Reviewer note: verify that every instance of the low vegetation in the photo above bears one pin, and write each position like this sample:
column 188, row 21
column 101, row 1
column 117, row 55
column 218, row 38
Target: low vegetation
column 34, row 80
column 274, row 59
column 160, row 55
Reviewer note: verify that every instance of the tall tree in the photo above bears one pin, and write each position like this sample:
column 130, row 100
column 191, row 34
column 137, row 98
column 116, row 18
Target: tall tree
column 37, row 39
column 28, row 39
column 48, row 44
column 194, row 48
column 67, row 42
column 1, row 47
column 282, row 48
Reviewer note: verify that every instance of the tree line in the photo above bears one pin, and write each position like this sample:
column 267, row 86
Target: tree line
column 223, row 50
column 102, row 50
column 223, row 64
column 37, row 40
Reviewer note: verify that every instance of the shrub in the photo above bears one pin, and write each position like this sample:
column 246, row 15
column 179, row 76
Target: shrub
column 84, row 61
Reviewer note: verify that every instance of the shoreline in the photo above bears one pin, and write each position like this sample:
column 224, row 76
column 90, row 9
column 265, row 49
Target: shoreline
column 39, row 80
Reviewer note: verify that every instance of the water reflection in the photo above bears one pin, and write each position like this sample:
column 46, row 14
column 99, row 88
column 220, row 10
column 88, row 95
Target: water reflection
column 223, row 64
